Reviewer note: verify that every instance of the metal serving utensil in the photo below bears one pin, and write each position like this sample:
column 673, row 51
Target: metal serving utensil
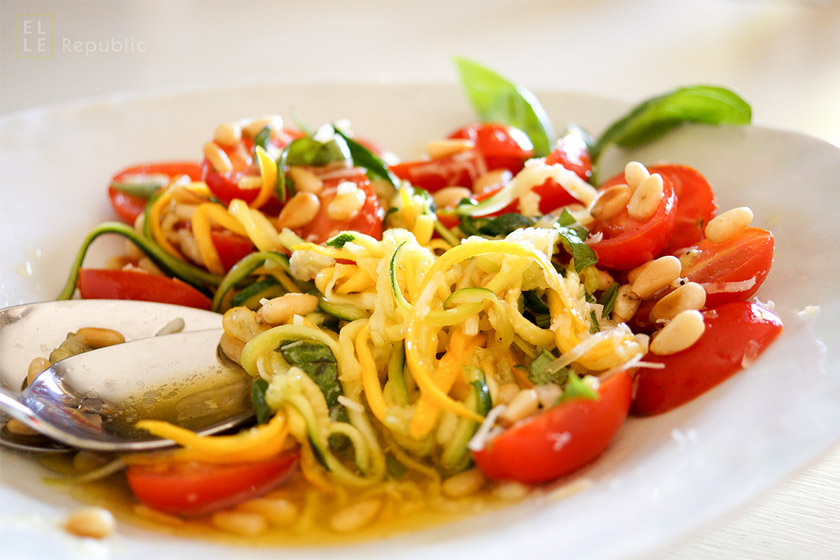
column 92, row 400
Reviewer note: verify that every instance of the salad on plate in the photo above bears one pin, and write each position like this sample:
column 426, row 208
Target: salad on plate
column 433, row 336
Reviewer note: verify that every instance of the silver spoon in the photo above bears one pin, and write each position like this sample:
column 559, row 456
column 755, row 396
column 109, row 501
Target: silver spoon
column 92, row 400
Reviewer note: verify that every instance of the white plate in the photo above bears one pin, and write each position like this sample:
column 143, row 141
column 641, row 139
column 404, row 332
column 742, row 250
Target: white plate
column 662, row 477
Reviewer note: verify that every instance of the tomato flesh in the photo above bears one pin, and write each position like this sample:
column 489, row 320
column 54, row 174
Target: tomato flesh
column 735, row 334
column 560, row 440
column 456, row 170
column 696, row 204
column 198, row 488
column 501, row 146
column 232, row 248
column 138, row 285
column 127, row 206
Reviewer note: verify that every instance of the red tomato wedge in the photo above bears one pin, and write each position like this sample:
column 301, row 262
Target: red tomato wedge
column 232, row 248
column 571, row 152
column 736, row 333
column 456, row 170
column 559, row 440
column 501, row 146
column 696, row 204
column 198, row 488
column 128, row 206
column 138, row 285
column 732, row 270
column 368, row 220
column 627, row 242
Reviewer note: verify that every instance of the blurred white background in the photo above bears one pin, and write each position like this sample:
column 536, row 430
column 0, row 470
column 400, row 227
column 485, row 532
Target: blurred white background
column 782, row 56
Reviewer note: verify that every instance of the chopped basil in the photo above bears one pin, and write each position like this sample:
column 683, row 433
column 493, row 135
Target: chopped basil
column 308, row 151
column 654, row 117
column 536, row 308
column 498, row 226
column 340, row 240
column 142, row 188
column 593, row 326
column 258, row 403
column 577, row 389
column 496, row 99
column 608, row 298
column 396, row 469
column 575, row 245
column 262, row 138
column 318, row 362
column 538, row 372
column 363, row 157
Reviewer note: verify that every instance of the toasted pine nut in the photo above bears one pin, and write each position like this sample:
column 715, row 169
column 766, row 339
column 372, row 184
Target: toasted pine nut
column 626, row 303
column 240, row 522
column 250, row 182
column 511, row 491
column 354, row 517
column 254, row 127
column 305, row 180
column 688, row 296
column 646, row 198
column 232, row 347
column 97, row 337
column 146, row 264
column 228, row 134
column 93, row 522
column 449, row 197
column 610, row 202
column 506, row 393
column 634, row 174
column 492, row 179
column 548, row 394
column 681, row 332
column 278, row 511
column 447, row 147
column 36, row 367
column 280, row 310
column 524, row 404
column 85, row 461
column 658, row 274
column 241, row 323
column 217, row 157
column 347, row 202
column 15, row 426
column 184, row 212
column 299, row 210
column 643, row 340
column 463, row 484
column 729, row 224
column 605, row 280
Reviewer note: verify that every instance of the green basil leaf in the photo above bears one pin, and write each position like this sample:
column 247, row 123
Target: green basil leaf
column 262, row 137
column 496, row 99
column 593, row 325
column 258, row 403
column 582, row 253
column 340, row 240
column 608, row 298
column 308, row 151
column 318, row 362
column 141, row 189
column 538, row 373
column 365, row 158
column 394, row 468
column 654, row 117
column 577, row 389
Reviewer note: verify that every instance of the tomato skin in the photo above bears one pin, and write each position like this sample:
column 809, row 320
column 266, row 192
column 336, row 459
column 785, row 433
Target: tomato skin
column 456, row 170
column 732, row 270
column 232, row 248
column 530, row 452
column 198, row 488
column 571, row 152
column 368, row 221
column 501, row 146
column 128, row 207
column 138, row 285
column 734, row 331
column 628, row 242
column 696, row 204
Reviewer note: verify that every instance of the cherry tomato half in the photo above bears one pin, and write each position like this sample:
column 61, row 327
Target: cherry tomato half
column 232, row 248
column 736, row 333
column 198, row 488
column 501, row 146
column 628, row 242
column 559, row 440
column 696, row 204
column 456, row 170
column 128, row 206
column 138, row 285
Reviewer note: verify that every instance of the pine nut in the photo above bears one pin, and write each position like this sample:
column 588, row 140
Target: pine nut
column 250, row 182
column 184, row 212
column 96, row 337
column 491, row 179
column 634, row 174
column 355, row 517
column 680, row 333
column 36, row 368
column 646, row 198
column 93, row 522
column 463, row 484
column 449, row 197
column 506, row 393
column 228, row 134
column 232, row 347
column 729, row 224
column 524, row 404
column 240, row 522
column 18, row 428
column 278, row 511
column 217, row 157
column 548, row 394
column 281, row 309
column 254, row 127
column 605, row 280
column 657, row 275
column 448, row 147
column 626, row 303
column 299, row 210
column 688, row 296
column 305, row 180
column 511, row 491
column 347, row 202
column 610, row 202
column 85, row 461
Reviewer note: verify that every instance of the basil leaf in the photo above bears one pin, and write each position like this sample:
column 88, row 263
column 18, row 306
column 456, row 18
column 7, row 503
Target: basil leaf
column 261, row 408
column 141, row 189
column 340, row 240
column 538, row 373
column 593, row 325
column 577, row 389
column 536, row 308
column 363, row 157
column 496, row 99
column 394, row 468
column 654, row 117
column 318, row 362
column 262, row 137
column 498, row 226
column 308, row 151
column 608, row 298
column 582, row 253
